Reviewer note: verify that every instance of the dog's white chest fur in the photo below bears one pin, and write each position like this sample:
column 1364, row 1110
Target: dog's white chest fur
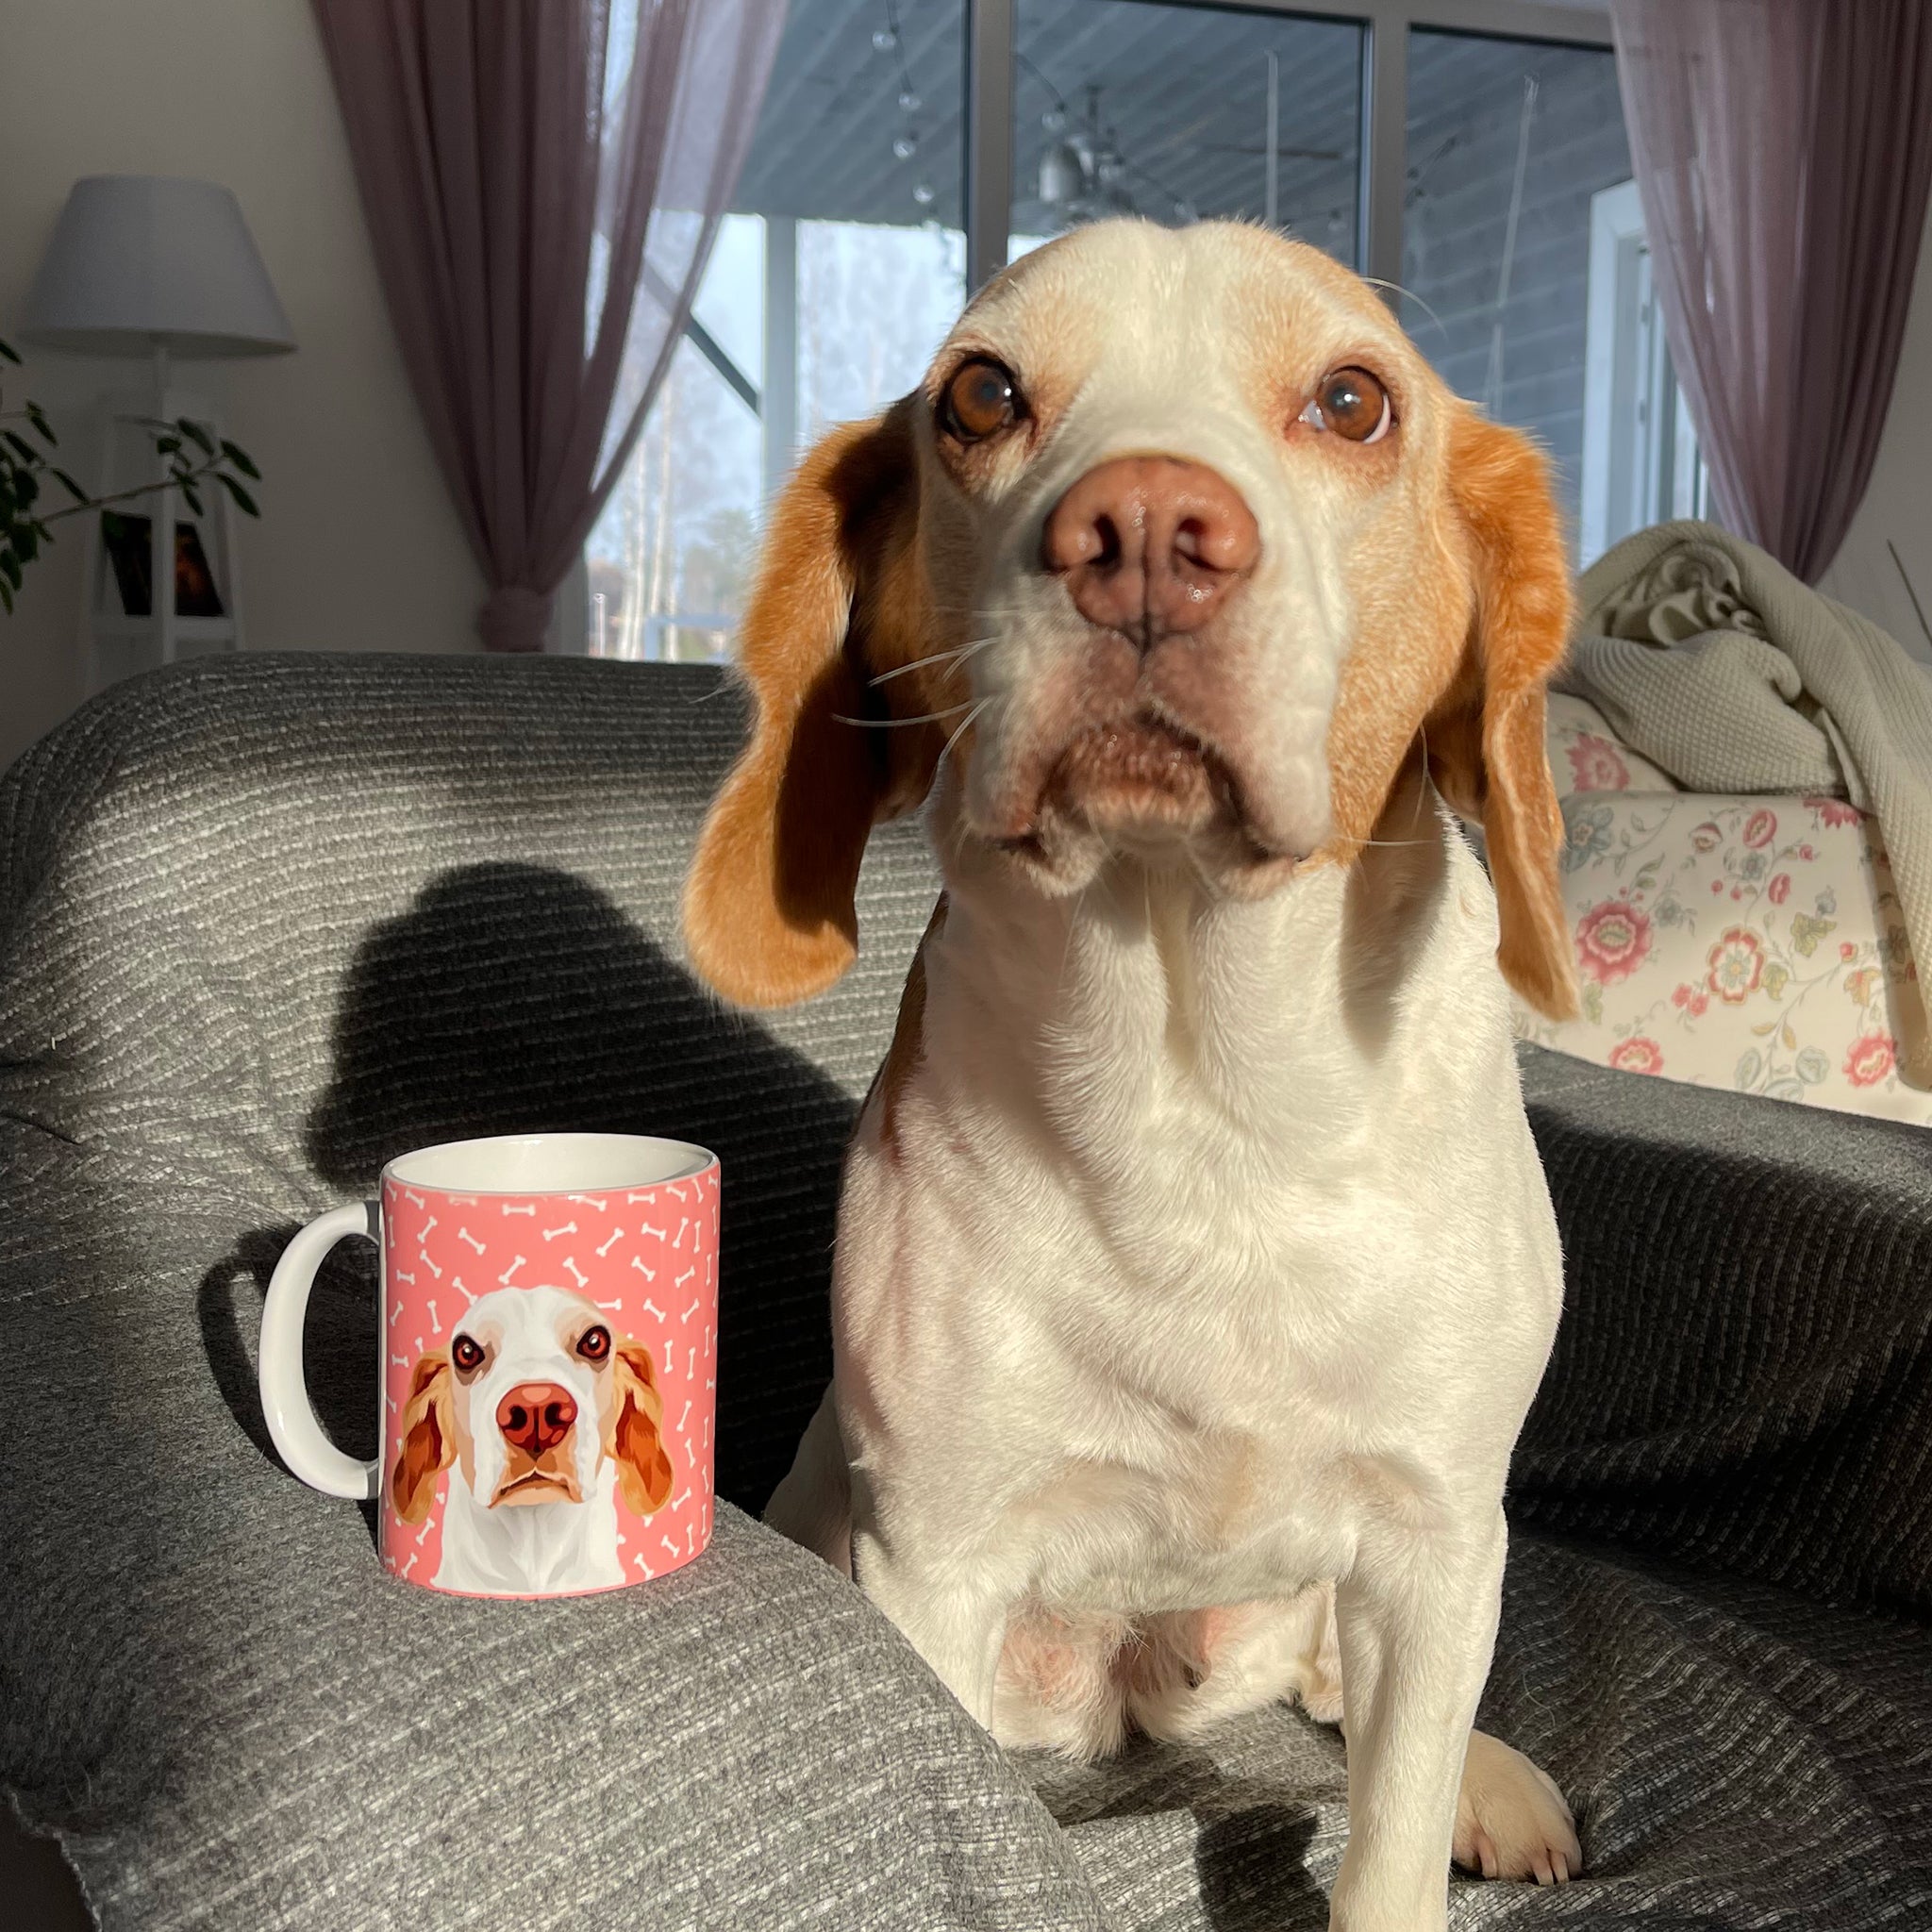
column 1182, row 1251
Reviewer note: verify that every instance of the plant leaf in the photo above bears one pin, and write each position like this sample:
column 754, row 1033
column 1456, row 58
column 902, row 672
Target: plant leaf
column 241, row 460
column 8, row 352
column 7, row 594
column 26, row 450
column 243, row 501
column 166, row 446
column 67, row 484
column 37, row 417
column 10, row 568
column 194, row 496
column 196, row 435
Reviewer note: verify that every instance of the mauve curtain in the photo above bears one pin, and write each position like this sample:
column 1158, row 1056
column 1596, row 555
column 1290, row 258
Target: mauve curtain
column 543, row 181
column 1783, row 150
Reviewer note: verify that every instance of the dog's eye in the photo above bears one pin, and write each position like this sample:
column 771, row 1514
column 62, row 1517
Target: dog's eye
column 980, row 401
column 594, row 1345
column 1352, row 403
column 466, row 1354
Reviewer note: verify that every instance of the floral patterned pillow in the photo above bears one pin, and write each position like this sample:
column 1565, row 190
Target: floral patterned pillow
column 1748, row 942
column 1586, row 756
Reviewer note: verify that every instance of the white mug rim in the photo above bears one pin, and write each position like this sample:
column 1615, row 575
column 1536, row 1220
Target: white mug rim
column 690, row 1160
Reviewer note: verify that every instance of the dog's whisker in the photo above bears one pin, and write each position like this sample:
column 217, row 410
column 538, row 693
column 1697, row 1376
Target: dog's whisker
column 889, row 724
column 964, row 651
column 964, row 723
column 1396, row 288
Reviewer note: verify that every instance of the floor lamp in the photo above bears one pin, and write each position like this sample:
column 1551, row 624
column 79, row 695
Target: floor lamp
column 165, row 269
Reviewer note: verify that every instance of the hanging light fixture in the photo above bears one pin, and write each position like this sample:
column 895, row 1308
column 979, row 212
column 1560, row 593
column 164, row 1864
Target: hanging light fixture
column 1063, row 176
column 887, row 40
column 1084, row 175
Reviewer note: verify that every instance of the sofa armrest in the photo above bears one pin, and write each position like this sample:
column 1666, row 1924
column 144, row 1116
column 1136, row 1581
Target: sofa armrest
column 1743, row 1376
column 269, row 921
column 230, row 1715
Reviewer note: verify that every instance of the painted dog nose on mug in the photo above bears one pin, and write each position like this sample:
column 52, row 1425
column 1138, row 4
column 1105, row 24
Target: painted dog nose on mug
column 548, row 1362
column 535, row 1417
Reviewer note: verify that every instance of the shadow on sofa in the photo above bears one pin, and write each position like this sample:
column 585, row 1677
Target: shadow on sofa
column 516, row 999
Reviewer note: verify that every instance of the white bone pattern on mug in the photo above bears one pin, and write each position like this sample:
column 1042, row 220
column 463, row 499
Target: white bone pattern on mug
column 535, row 1265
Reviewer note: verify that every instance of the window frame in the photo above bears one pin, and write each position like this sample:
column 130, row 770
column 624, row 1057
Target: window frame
column 1383, row 165
column 988, row 184
column 1384, row 152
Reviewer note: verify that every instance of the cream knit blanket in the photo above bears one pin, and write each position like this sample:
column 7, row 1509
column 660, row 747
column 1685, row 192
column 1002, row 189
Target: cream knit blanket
column 1711, row 659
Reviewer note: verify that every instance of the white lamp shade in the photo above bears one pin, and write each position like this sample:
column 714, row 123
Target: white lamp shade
column 140, row 263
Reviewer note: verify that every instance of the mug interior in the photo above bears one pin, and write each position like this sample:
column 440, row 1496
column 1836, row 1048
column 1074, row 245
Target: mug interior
column 548, row 1163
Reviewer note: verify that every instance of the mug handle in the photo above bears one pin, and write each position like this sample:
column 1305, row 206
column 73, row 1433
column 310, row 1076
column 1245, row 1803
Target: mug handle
column 284, row 1397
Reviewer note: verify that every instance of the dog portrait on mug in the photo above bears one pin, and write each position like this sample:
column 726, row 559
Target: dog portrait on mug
column 544, row 1416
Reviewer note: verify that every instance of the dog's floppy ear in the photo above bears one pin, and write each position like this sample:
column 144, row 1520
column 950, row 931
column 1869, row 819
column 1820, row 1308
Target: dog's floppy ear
column 841, row 596
column 1486, row 751
column 429, row 1436
column 644, row 1469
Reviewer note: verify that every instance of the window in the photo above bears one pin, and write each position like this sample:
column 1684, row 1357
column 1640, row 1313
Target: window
column 1127, row 107
column 1640, row 463
column 840, row 267
column 889, row 171
column 1508, row 143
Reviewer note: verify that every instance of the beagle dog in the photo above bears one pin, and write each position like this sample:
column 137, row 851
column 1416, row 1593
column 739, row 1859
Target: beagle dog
column 541, row 1415
column 1195, row 1267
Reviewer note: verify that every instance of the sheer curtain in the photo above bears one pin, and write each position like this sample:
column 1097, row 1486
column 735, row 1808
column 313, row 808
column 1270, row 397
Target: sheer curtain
column 543, row 181
column 1783, row 150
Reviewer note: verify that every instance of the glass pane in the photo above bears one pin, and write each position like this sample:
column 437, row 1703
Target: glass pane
column 1508, row 143
column 843, row 264
column 1125, row 107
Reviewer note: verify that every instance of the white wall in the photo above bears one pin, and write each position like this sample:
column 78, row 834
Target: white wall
column 1898, row 499
column 359, row 547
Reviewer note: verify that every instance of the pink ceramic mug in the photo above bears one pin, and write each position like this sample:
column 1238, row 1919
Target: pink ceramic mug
column 548, row 1342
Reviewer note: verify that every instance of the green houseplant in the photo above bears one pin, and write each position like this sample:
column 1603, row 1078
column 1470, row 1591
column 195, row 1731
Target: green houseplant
column 193, row 455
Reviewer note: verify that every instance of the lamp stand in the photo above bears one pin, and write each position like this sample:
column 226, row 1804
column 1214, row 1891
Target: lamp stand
column 161, row 575
column 114, row 642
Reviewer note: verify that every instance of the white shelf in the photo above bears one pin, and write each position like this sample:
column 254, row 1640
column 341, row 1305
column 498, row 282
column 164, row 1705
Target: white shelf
column 117, row 645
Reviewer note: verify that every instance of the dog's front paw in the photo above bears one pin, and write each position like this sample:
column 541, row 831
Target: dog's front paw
column 1511, row 1821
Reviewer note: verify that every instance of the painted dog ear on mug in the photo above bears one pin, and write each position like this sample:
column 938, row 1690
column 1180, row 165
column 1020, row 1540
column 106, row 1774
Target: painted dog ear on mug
column 429, row 1438
column 643, row 1469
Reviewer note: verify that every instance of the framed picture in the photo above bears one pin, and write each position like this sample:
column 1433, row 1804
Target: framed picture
column 129, row 544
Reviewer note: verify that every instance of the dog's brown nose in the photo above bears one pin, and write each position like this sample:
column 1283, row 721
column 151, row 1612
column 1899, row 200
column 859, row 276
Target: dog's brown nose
column 1150, row 546
column 536, row 1416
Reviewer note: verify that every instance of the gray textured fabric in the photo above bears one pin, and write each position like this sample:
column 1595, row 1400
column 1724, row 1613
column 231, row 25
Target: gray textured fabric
column 1737, row 1758
column 1743, row 1376
column 263, row 922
